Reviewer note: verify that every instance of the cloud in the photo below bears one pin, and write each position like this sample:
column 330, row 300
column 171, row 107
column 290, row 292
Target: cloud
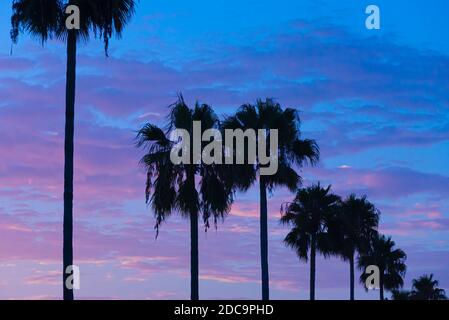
column 51, row 278
column 354, row 93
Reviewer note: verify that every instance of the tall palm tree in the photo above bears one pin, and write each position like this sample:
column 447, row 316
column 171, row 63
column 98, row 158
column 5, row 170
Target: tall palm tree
column 45, row 19
column 426, row 288
column 309, row 215
column 357, row 223
column 400, row 295
column 292, row 152
column 390, row 261
column 194, row 190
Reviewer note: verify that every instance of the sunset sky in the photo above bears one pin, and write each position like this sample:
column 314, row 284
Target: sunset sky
column 377, row 103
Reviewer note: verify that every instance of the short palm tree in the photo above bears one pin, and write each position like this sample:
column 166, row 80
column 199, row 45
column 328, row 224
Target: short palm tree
column 45, row 19
column 357, row 223
column 390, row 261
column 426, row 288
column 292, row 152
column 194, row 190
column 308, row 215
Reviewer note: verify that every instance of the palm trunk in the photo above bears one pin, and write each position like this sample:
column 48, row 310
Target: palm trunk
column 312, row 267
column 194, row 259
column 68, row 163
column 264, row 240
column 351, row 275
column 381, row 283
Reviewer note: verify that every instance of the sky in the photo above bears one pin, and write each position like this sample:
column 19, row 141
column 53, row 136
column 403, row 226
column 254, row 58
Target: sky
column 376, row 101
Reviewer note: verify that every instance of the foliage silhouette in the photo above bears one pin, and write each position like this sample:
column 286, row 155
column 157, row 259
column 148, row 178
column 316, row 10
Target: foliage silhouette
column 400, row 294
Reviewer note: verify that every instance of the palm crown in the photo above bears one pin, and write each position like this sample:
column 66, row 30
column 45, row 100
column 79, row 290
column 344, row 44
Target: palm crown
column 171, row 187
column 39, row 18
column 390, row 261
column 426, row 288
column 45, row 19
column 309, row 215
column 292, row 152
column 358, row 220
column 400, row 295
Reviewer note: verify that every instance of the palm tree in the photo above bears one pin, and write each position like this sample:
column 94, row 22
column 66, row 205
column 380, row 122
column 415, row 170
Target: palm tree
column 194, row 190
column 45, row 19
column 400, row 295
column 390, row 261
column 308, row 215
column 357, row 223
column 426, row 288
column 292, row 152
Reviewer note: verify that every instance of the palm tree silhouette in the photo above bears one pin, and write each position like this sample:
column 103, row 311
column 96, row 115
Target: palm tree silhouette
column 309, row 215
column 390, row 261
column 357, row 222
column 426, row 288
column 292, row 151
column 45, row 19
column 194, row 189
